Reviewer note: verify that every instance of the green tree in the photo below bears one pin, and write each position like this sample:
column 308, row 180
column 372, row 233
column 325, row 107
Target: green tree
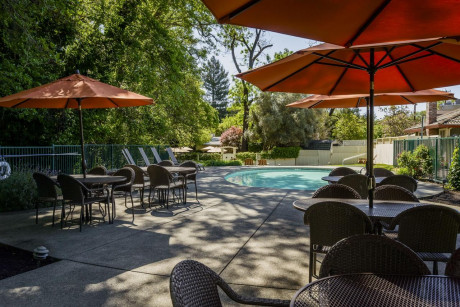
column 250, row 44
column 216, row 84
column 396, row 120
column 349, row 126
column 276, row 125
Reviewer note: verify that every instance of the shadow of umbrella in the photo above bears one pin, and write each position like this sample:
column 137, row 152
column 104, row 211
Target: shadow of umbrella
column 75, row 91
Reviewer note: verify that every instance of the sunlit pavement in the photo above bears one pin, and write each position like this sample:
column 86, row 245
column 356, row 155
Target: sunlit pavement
column 253, row 237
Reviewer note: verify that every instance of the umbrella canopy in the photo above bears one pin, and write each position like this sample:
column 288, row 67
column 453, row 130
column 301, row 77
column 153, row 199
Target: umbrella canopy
column 181, row 149
column 75, row 91
column 357, row 101
column 344, row 23
column 333, row 70
column 215, row 149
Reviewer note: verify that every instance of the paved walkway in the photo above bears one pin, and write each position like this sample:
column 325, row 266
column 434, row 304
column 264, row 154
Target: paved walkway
column 253, row 237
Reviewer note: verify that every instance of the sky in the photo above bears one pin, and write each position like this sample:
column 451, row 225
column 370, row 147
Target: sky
column 281, row 41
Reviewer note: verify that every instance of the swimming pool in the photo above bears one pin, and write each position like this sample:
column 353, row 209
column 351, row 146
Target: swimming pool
column 281, row 178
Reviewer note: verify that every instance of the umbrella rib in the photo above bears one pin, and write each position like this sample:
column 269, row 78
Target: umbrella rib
column 340, row 61
column 405, row 98
column 367, row 23
column 67, row 103
column 342, row 75
column 238, row 11
column 360, row 56
column 394, row 62
column 439, row 54
column 359, row 100
column 386, row 55
column 295, row 72
column 19, row 103
column 317, row 103
column 402, row 74
column 336, row 65
column 113, row 102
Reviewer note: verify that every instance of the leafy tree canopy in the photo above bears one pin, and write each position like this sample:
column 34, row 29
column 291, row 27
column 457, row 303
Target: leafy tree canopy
column 396, row 120
column 349, row 125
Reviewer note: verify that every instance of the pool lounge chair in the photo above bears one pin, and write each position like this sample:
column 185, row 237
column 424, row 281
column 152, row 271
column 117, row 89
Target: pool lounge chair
column 174, row 160
column 144, row 156
column 156, row 155
column 128, row 156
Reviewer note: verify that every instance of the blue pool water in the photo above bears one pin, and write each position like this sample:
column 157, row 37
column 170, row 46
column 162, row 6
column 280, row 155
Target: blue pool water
column 280, row 178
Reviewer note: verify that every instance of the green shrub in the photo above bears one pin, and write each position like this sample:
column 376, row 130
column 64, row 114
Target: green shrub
column 418, row 163
column 222, row 163
column 453, row 177
column 255, row 147
column 246, row 155
column 18, row 192
column 281, row 153
column 186, row 156
column 210, row 156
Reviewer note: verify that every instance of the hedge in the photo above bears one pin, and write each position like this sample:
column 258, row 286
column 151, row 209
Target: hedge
column 281, row 153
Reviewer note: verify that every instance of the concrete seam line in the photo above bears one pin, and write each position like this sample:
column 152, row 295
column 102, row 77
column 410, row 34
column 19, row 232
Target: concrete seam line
column 250, row 237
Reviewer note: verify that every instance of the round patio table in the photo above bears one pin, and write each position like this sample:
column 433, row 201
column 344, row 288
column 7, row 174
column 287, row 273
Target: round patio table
column 383, row 210
column 335, row 179
column 367, row 289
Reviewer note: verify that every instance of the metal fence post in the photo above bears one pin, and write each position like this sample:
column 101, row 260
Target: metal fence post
column 436, row 159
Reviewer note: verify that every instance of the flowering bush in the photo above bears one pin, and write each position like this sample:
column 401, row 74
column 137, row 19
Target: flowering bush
column 231, row 136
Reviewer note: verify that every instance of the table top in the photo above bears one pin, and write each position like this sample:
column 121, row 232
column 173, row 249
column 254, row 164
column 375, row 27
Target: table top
column 380, row 290
column 335, row 179
column 383, row 210
column 176, row 169
column 95, row 179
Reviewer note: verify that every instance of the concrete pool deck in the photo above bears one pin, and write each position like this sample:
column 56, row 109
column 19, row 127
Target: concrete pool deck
column 253, row 237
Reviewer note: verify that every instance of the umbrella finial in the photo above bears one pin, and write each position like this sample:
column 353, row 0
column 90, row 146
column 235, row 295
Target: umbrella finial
column 77, row 71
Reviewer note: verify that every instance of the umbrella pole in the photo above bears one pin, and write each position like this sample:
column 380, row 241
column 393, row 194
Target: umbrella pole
column 82, row 142
column 370, row 133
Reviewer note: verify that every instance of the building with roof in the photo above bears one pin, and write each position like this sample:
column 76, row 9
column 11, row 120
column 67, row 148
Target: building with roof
column 444, row 122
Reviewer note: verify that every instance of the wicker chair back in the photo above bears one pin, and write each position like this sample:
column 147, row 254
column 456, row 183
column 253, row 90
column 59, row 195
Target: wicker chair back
column 193, row 284
column 336, row 191
column 453, row 265
column 166, row 163
column 357, row 182
column 45, row 185
column 98, row 170
column 342, row 171
column 394, row 192
column 429, row 228
column 138, row 174
column 159, row 176
column 332, row 221
column 382, row 172
column 371, row 254
column 71, row 188
column 402, row 181
column 128, row 183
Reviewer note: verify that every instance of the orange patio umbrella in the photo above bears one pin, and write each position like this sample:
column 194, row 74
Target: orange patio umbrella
column 344, row 23
column 333, row 70
column 360, row 100
column 75, row 91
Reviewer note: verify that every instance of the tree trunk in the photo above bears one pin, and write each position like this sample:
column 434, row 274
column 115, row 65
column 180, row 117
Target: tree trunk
column 245, row 100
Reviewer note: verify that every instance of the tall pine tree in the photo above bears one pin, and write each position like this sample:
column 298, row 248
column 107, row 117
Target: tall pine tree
column 216, row 83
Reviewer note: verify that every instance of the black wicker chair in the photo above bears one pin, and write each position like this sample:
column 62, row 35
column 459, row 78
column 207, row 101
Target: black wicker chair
column 430, row 230
column 330, row 222
column 336, row 191
column 125, row 188
column 357, row 182
column 166, row 163
column 163, row 182
column 371, row 254
column 453, row 265
column 404, row 181
column 394, row 192
column 140, row 181
column 193, row 284
column 191, row 178
column 76, row 193
column 342, row 171
column 47, row 193
column 382, row 172
column 98, row 170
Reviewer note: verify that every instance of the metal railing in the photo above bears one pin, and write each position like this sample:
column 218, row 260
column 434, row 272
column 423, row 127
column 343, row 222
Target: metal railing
column 441, row 150
column 67, row 158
